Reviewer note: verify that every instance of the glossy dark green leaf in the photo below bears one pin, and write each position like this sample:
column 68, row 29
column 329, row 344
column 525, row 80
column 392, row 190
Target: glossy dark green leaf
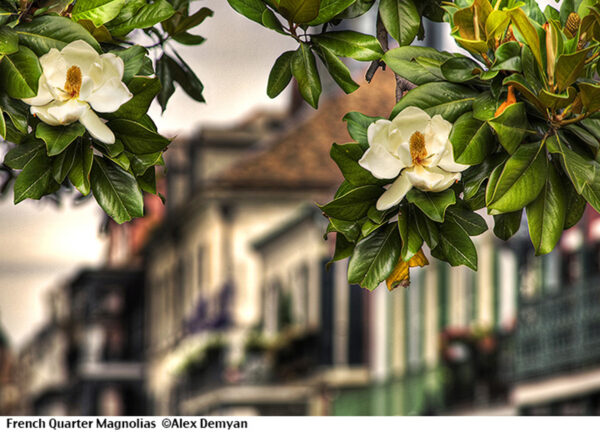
column 433, row 204
column 409, row 233
column 353, row 204
column 163, row 72
column 304, row 69
column 116, row 191
column 402, row 61
column 519, row 181
column 455, row 246
column 471, row 139
column 20, row 73
column 375, row 257
column 186, row 78
column 511, row 126
column 136, row 137
column 337, row 69
column 460, row 69
column 349, row 229
column 346, row 157
column 133, row 57
column 470, row 221
column 9, row 41
column 350, row 44
column 447, row 99
column 21, row 154
column 329, row 9
column 281, row 74
column 147, row 16
column 576, row 205
column 299, row 11
column 401, row 19
column 50, row 31
column 485, row 106
column 35, row 178
column 428, row 230
column 58, row 138
column 144, row 89
column 546, row 215
column 251, row 9
column 79, row 175
column 63, row 163
column 147, row 181
column 506, row 225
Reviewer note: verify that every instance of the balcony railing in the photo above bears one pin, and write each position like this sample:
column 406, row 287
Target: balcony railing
column 559, row 332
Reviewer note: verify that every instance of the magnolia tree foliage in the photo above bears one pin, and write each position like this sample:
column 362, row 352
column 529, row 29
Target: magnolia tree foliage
column 513, row 126
column 75, row 89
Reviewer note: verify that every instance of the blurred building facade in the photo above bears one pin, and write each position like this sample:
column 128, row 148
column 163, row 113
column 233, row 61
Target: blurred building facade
column 222, row 302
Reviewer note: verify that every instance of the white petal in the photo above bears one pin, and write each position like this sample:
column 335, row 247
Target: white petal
column 436, row 134
column 381, row 163
column 43, row 96
column 112, row 66
column 394, row 194
column 80, row 54
column 54, row 67
column 409, row 121
column 42, row 113
column 431, row 179
column 110, row 96
column 67, row 112
column 447, row 162
column 378, row 132
column 96, row 127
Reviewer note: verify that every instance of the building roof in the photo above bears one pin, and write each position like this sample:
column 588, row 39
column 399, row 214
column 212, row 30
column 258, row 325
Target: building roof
column 299, row 158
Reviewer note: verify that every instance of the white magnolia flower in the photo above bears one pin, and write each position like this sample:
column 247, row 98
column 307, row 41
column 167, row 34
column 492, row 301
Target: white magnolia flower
column 77, row 81
column 415, row 148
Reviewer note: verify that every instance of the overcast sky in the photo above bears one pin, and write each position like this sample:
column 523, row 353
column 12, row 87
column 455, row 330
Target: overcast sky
column 43, row 245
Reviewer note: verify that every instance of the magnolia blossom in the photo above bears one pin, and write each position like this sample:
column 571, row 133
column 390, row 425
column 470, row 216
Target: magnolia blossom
column 76, row 82
column 415, row 148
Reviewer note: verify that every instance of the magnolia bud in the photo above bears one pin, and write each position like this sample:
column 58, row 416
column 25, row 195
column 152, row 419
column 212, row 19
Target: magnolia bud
column 572, row 24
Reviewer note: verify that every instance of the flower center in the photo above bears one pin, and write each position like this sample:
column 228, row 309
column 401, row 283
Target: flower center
column 418, row 152
column 73, row 83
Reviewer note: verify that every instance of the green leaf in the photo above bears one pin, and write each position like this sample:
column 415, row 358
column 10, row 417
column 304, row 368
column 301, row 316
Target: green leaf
column 546, row 215
column 20, row 155
column 17, row 111
column 299, row 11
column 343, row 248
column 140, row 163
column 529, row 33
column 337, row 69
column 281, row 74
column 186, row 78
column 519, row 181
column 270, row 20
column 133, row 57
column 63, row 163
column 590, row 96
column 97, row 11
column 50, row 31
column 116, row 191
column 136, row 137
column 35, row 178
column 402, row 61
column 58, row 138
column 147, row 181
column 9, row 41
column 433, row 204
column 358, row 124
column 470, row 221
column 329, row 9
column 485, row 106
column 349, row 229
column 374, row 258
column 511, row 126
column 473, row 178
column 569, row 67
column 163, row 72
column 576, row 205
column 353, row 204
column 401, row 19
column 143, row 89
column 447, row 99
column 79, row 175
column 409, row 233
column 20, row 73
column 191, row 21
column 455, row 246
column 251, row 9
column 188, row 39
column 526, row 90
column 506, row 225
column 350, row 44
column 583, row 172
column 127, row 12
column 471, row 139
column 346, row 157
column 148, row 16
column 2, row 125
column 304, row 69
column 460, row 69
column 358, row 8
column 428, row 230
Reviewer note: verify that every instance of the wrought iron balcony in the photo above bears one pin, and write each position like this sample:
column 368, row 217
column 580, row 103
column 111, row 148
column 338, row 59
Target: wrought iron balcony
column 558, row 332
